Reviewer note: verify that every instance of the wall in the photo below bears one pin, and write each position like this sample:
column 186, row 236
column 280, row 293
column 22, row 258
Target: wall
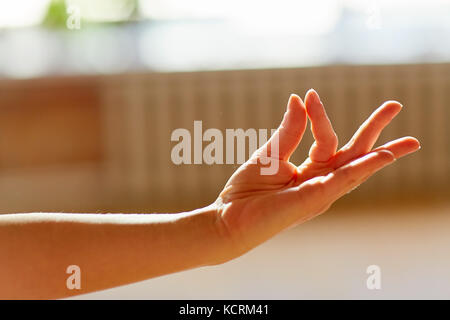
column 103, row 143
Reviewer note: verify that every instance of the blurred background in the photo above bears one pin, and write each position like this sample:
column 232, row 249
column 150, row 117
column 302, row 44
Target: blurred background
column 90, row 92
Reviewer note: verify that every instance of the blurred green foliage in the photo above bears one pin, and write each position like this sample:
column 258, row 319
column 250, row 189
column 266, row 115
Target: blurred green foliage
column 57, row 15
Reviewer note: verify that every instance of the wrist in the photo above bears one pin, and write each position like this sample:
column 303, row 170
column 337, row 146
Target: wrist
column 214, row 244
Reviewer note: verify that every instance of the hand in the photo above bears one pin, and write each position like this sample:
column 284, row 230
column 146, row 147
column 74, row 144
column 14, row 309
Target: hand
column 251, row 209
column 254, row 207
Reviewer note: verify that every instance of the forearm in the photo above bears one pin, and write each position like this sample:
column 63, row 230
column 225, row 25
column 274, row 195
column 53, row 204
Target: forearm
column 110, row 249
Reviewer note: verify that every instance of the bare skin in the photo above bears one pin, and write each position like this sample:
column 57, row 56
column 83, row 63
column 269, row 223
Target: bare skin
column 118, row 249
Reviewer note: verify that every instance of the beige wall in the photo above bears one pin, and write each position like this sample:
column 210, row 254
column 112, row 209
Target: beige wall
column 103, row 143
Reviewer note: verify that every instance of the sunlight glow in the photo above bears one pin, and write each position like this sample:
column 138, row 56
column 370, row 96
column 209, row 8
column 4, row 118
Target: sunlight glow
column 22, row 13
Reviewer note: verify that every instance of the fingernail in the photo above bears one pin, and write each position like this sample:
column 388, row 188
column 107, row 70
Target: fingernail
column 316, row 96
column 311, row 90
column 401, row 105
column 292, row 96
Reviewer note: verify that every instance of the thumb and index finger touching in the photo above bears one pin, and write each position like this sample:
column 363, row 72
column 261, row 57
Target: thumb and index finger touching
column 292, row 127
column 356, row 161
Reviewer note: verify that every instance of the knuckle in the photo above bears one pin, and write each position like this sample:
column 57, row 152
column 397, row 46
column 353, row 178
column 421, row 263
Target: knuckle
column 348, row 175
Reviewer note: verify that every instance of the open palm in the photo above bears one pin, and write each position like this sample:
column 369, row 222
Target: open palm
column 254, row 207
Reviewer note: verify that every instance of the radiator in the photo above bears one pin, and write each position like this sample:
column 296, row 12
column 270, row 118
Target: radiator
column 142, row 110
